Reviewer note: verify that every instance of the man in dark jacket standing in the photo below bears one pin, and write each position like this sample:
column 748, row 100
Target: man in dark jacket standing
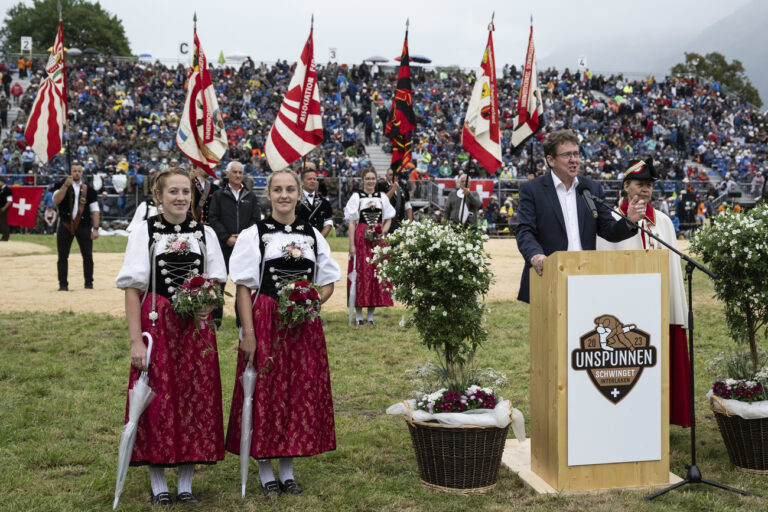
column 233, row 208
column 312, row 207
column 78, row 218
column 552, row 217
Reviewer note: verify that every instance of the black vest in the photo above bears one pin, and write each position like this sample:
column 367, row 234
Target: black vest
column 170, row 269
column 276, row 270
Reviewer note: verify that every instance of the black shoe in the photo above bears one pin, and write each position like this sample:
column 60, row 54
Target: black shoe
column 290, row 487
column 186, row 498
column 359, row 323
column 371, row 323
column 163, row 499
column 89, row 286
column 63, row 288
column 271, row 489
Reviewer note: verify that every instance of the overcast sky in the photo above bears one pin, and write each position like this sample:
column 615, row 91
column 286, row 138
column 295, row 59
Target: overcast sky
column 448, row 31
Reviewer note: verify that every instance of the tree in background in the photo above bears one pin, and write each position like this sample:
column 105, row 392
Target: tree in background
column 715, row 67
column 86, row 25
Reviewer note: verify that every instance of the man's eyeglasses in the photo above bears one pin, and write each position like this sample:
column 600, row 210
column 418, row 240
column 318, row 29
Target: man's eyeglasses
column 568, row 156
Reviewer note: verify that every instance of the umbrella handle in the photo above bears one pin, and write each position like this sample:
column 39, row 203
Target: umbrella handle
column 150, row 341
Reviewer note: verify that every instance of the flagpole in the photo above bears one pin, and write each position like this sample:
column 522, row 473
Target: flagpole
column 491, row 28
column 66, row 98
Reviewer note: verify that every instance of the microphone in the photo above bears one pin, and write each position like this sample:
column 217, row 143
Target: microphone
column 584, row 191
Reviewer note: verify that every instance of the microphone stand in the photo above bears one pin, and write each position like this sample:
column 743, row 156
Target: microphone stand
column 693, row 475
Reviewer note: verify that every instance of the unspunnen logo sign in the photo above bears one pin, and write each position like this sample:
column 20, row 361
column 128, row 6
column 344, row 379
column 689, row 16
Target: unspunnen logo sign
column 614, row 355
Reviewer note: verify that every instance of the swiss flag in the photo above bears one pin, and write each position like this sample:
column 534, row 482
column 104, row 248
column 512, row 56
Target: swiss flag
column 23, row 211
column 484, row 188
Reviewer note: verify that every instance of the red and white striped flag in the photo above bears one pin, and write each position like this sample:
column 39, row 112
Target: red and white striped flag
column 481, row 135
column 298, row 127
column 530, row 108
column 45, row 125
column 201, row 135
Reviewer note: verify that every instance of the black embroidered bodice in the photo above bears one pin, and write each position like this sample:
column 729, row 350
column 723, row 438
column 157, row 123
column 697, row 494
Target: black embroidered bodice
column 169, row 268
column 276, row 270
column 370, row 215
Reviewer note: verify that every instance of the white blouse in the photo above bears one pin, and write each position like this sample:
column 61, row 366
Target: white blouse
column 355, row 204
column 135, row 272
column 245, row 262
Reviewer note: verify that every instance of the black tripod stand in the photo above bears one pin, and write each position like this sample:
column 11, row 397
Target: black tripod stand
column 693, row 475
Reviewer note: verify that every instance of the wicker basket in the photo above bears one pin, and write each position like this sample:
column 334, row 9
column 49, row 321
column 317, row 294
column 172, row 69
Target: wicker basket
column 745, row 440
column 462, row 460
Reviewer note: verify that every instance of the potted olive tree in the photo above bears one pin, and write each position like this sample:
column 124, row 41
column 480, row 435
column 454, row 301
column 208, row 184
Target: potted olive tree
column 457, row 422
column 735, row 247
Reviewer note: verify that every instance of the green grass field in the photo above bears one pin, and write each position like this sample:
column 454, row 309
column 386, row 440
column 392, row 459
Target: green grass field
column 63, row 380
column 117, row 243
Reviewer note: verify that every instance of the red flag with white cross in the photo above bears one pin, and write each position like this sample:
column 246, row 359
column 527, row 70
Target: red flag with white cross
column 23, row 210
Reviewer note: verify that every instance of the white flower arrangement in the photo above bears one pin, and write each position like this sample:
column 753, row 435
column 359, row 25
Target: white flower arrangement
column 442, row 275
column 735, row 248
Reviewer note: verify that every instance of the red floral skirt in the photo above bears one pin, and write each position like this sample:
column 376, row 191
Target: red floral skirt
column 679, row 377
column 369, row 292
column 292, row 403
column 184, row 423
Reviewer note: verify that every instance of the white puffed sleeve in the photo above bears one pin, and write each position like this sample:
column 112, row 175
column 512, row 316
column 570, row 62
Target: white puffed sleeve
column 138, row 216
column 328, row 270
column 214, row 258
column 387, row 211
column 135, row 271
column 352, row 209
column 245, row 262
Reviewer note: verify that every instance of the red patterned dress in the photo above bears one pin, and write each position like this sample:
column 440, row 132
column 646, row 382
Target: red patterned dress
column 183, row 424
column 368, row 210
column 292, row 402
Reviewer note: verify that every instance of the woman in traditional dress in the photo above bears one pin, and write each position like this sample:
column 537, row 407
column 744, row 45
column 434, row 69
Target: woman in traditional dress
column 292, row 403
column 183, row 425
column 364, row 210
column 638, row 182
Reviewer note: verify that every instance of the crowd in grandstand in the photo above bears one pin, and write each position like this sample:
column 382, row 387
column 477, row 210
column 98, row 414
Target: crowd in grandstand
column 123, row 118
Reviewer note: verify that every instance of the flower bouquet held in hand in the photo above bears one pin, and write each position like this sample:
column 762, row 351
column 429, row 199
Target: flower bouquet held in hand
column 298, row 301
column 196, row 298
column 442, row 276
column 735, row 247
column 374, row 234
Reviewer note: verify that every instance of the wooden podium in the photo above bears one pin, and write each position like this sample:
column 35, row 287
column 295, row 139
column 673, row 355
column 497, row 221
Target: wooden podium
column 609, row 420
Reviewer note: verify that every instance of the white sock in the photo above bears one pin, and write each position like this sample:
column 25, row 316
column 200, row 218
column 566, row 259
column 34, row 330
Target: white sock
column 286, row 469
column 185, row 478
column 359, row 314
column 265, row 471
column 370, row 314
column 157, row 480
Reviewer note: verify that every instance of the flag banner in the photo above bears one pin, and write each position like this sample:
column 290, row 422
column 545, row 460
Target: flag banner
column 483, row 187
column 402, row 120
column 201, row 135
column 530, row 107
column 24, row 205
column 298, row 127
column 45, row 125
column 481, row 135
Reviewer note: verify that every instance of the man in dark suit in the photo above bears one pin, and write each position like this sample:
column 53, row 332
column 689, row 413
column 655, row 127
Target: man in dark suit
column 553, row 218
column 397, row 193
column 78, row 218
column 232, row 209
column 312, row 207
